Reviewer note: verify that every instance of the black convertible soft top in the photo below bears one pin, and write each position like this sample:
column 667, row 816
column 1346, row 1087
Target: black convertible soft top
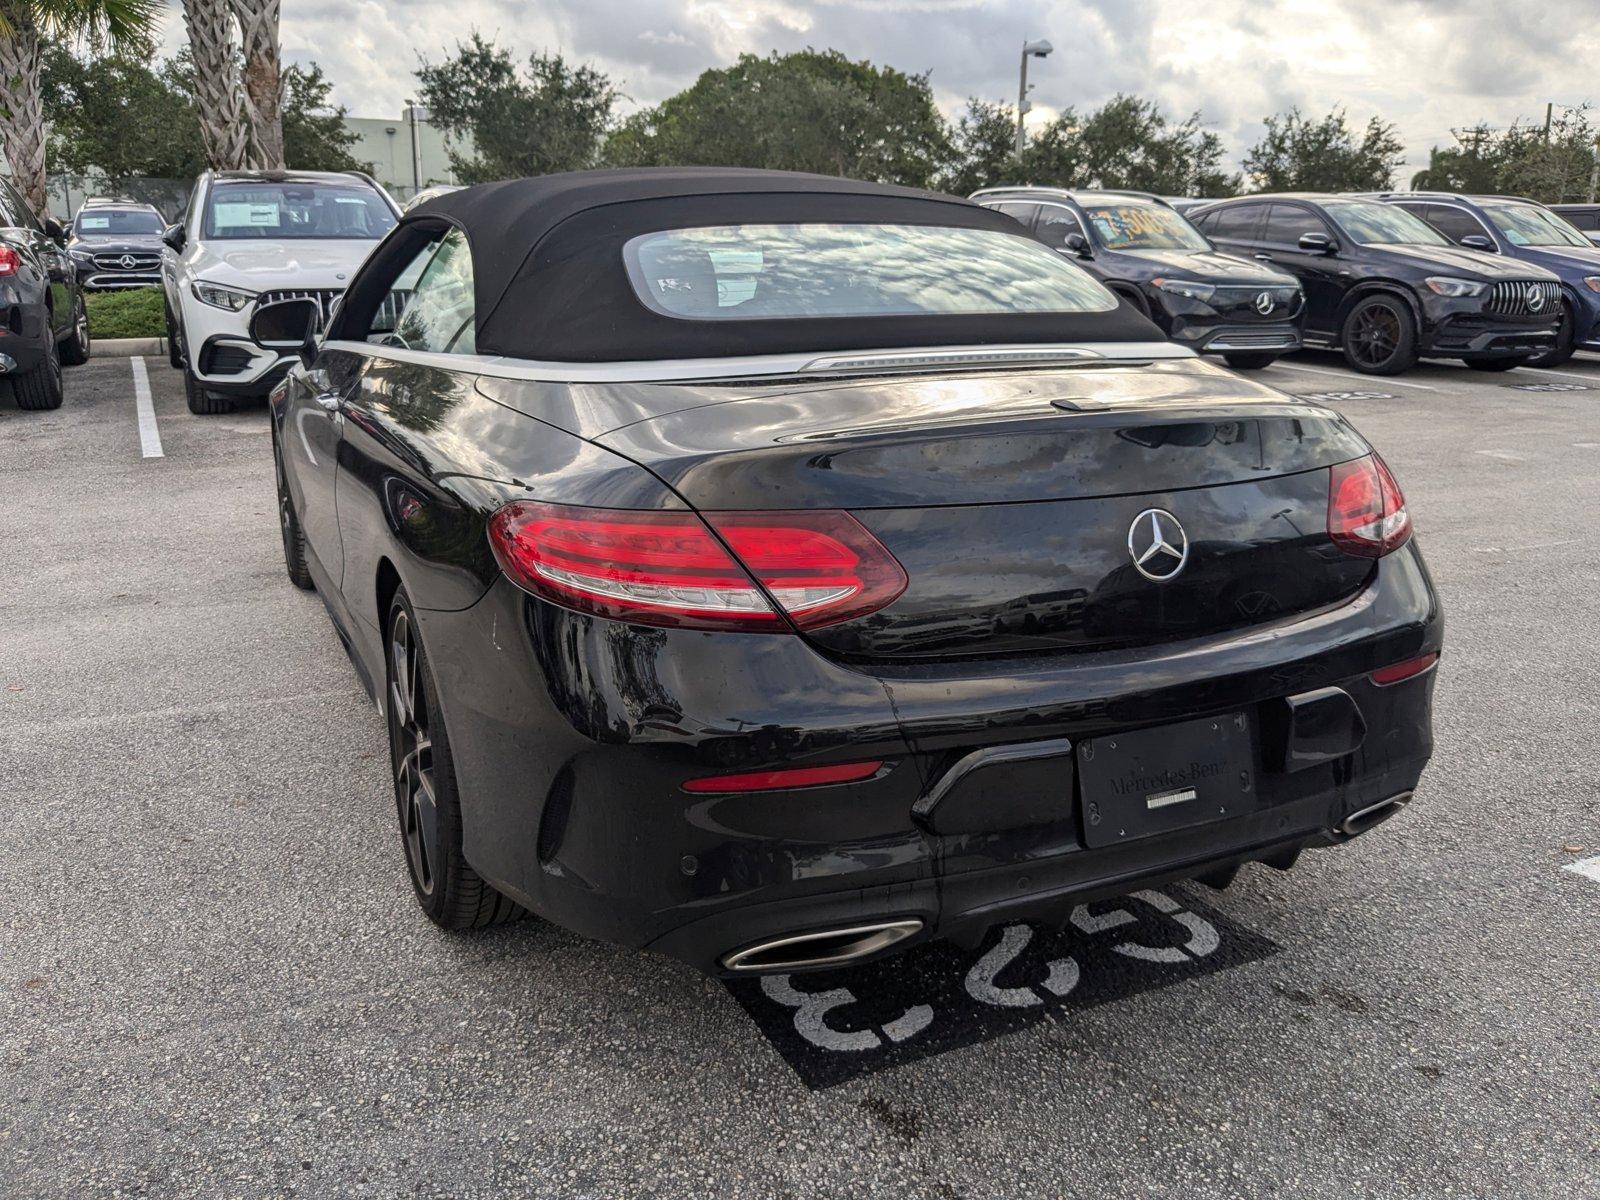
column 551, row 283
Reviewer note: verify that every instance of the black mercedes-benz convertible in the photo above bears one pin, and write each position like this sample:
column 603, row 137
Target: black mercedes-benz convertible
column 770, row 570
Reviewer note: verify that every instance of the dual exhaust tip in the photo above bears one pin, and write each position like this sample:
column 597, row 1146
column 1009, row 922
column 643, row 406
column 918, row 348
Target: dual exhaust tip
column 836, row 947
column 825, row 948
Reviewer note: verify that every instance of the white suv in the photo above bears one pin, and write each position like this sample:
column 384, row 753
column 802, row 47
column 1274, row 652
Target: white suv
column 250, row 238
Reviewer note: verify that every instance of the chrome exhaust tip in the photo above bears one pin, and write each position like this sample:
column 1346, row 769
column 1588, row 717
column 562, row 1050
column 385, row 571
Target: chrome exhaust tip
column 824, row 948
column 1364, row 819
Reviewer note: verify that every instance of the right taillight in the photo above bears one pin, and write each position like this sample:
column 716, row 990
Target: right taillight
column 9, row 262
column 670, row 568
column 1366, row 512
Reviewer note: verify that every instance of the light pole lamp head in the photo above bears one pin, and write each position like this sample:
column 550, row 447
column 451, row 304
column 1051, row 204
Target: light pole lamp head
column 1037, row 49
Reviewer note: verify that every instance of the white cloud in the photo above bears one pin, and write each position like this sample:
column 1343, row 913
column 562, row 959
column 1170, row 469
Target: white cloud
column 1428, row 65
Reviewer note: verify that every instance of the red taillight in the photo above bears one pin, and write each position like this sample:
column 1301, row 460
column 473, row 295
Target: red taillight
column 9, row 262
column 793, row 777
column 669, row 568
column 1366, row 512
column 1396, row 672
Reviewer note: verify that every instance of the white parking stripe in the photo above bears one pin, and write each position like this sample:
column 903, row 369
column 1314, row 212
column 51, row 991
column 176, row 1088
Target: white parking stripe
column 1588, row 867
column 149, row 435
column 1367, row 379
column 1594, row 379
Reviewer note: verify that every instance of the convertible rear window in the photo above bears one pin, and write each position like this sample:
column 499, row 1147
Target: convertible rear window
column 776, row 272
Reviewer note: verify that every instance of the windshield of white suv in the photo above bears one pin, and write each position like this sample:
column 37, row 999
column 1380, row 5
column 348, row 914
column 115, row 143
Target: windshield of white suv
column 116, row 222
column 1375, row 224
column 767, row 272
column 1143, row 227
column 296, row 210
column 1529, row 225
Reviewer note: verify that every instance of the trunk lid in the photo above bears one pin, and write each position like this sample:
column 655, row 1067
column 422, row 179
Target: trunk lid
column 1014, row 501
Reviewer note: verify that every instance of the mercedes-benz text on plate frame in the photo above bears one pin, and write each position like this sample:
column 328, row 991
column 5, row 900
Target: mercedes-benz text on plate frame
column 894, row 639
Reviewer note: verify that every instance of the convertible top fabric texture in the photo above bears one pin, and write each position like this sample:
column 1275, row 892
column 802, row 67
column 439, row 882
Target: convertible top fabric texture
column 551, row 283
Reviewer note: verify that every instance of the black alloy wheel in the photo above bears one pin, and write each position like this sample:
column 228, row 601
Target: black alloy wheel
column 75, row 350
column 1380, row 338
column 450, row 892
column 294, row 538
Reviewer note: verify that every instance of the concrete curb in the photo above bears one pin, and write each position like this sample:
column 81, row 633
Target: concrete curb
column 127, row 347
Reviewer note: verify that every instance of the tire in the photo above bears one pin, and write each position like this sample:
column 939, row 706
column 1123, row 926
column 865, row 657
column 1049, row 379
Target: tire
column 174, row 347
column 427, row 805
column 1139, row 303
column 294, row 538
column 1379, row 336
column 75, row 350
column 1497, row 364
column 40, row 389
column 1249, row 362
column 1566, row 342
column 201, row 402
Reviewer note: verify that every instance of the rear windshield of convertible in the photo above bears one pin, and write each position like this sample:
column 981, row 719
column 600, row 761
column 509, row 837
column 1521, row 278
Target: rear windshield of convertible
column 772, row 272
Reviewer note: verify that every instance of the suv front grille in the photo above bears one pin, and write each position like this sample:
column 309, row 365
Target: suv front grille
column 1516, row 298
column 387, row 316
column 131, row 260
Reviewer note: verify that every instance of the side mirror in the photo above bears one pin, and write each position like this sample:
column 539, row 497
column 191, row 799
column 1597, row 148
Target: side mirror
column 1477, row 241
column 1079, row 245
column 1317, row 243
column 173, row 238
column 54, row 231
column 288, row 325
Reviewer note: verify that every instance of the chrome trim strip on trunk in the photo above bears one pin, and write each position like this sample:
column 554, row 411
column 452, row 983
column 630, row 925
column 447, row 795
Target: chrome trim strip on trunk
column 761, row 365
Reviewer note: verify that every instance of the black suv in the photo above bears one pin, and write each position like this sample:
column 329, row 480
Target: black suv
column 43, row 323
column 116, row 244
column 1525, row 230
column 1143, row 249
column 1386, row 288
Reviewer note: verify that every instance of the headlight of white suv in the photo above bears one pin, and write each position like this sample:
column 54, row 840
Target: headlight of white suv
column 214, row 294
column 1445, row 286
column 1592, row 282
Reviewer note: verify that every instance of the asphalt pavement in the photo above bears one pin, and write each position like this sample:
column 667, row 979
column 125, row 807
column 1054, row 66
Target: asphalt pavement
column 214, row 982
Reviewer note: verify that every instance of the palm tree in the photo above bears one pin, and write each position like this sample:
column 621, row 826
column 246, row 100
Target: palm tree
column 215, row 50
column 263, row 81
column 25, row 28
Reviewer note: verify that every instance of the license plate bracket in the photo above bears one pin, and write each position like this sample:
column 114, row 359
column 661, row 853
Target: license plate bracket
column 1153, row 781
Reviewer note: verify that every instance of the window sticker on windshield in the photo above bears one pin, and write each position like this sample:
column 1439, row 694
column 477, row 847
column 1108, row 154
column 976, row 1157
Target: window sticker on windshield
column 249, row 213
column 95, row 222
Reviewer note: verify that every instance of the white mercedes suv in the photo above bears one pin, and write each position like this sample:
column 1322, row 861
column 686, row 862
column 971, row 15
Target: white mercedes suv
column 250, row 238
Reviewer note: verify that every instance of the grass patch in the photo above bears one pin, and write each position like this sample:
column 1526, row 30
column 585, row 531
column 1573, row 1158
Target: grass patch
column 134, row 313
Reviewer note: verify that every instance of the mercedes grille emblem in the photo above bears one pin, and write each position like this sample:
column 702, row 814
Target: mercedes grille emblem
column 1535, row 298
column 127, row 262
column 1158, row 544
column 1264, row 303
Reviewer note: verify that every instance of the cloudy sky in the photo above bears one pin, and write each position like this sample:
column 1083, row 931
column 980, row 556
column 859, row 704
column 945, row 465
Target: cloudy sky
column 1428, row 65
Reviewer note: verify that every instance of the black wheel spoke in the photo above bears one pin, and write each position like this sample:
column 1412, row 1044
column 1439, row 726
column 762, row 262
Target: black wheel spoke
column 411, row 747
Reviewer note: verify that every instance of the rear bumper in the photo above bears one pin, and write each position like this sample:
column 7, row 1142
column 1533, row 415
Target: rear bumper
column 571, row 748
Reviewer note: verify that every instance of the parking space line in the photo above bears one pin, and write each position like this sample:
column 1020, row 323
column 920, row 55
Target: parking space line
column 1384, row 379
column 1587, row 867
column 149, row 434
column 1594, row 379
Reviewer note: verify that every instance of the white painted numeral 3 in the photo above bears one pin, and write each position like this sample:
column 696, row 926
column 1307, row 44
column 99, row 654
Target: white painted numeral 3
column 1060, row 978
column 811, row 1009
column 1202, row 941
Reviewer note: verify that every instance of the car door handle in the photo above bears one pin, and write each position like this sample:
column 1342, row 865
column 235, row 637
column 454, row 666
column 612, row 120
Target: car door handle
column 1264, row 257
column 331, row 401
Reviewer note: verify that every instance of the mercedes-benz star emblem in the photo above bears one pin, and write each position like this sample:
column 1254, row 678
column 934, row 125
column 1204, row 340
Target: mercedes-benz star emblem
column 127, row 262
column 1264, row 303
column 1535, row 298
column 1158, row 544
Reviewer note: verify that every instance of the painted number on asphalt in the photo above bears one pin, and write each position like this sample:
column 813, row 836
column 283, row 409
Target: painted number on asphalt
column 1328, row 397
column 1548, row 387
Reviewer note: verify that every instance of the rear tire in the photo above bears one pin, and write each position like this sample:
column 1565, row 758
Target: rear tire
column 1496, row 364
column 451, row 893
column 201, row 402
column 40, row 390
column 1379, row 336
column 1249, row 362
column 1566, row 342
column 75, row 350
column 294, row 538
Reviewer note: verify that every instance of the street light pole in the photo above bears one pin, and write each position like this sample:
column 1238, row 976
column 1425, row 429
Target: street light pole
column 1029, row 50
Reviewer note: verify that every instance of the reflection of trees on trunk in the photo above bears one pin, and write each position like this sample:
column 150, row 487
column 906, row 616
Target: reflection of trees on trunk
column 611, row 705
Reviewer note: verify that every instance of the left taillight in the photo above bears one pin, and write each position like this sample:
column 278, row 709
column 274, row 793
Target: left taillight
column 1366, row 512
column 682, row 569
column 9, row 262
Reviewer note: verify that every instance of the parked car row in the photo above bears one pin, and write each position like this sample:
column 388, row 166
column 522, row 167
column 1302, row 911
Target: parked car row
column 44, row 325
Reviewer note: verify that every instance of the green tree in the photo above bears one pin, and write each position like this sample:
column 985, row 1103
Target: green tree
column 1299, row 154
column 315, row 137
column 27, row 29
column 553, row 118
column 982, row 150
column 1525, row 159
column 121, row 117
column 814, row 110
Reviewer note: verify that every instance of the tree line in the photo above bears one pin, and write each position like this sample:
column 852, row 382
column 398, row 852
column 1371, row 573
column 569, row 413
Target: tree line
column 813, row 110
